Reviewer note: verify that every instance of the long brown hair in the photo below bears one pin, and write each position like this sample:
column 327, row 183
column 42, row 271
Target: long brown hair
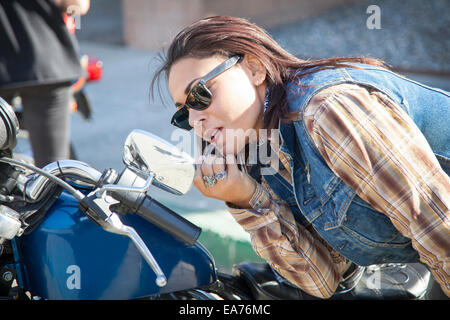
column 228, row 36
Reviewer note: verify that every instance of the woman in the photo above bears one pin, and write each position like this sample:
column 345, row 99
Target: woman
column 363, row 153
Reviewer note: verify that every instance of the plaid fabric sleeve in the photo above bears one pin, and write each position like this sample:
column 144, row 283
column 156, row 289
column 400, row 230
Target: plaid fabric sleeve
column 293, row 251
column 375, row 147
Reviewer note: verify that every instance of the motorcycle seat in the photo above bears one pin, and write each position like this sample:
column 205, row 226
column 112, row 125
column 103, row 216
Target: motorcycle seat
column 378, row 282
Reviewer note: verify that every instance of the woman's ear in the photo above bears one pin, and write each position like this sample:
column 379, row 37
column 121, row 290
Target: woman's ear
column 255, row 69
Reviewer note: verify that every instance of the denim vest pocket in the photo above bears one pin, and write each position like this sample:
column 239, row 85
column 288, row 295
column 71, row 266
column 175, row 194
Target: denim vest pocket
column 339, row 199
column 371, row 227
column 305, row 195
column 360, row 233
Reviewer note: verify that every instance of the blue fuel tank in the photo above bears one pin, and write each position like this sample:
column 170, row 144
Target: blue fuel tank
column 70, row 257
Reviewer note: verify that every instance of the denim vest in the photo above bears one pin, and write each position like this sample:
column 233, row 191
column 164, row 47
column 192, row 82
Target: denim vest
column 320, row 198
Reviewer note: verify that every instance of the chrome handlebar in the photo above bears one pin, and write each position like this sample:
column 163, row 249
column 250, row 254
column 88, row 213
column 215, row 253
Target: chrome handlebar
column 75, row 171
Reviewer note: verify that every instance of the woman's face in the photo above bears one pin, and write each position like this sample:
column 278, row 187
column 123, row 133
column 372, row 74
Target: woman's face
column 237, row 99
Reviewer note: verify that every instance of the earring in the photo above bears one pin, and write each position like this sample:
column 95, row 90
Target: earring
column 259, row 81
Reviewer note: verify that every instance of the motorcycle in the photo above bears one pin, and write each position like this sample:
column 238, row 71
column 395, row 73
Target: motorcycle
column 69, row 231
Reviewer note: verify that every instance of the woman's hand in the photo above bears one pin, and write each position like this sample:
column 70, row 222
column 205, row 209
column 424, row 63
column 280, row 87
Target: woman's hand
column 235, row 187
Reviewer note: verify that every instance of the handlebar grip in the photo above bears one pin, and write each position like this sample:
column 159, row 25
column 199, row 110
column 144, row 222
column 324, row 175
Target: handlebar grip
column 168, row 220
column 153, row 211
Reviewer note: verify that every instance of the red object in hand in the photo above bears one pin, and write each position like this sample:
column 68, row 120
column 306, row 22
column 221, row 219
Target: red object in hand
column 94, row 69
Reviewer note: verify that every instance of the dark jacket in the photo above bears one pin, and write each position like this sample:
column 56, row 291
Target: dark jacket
column 35, row 45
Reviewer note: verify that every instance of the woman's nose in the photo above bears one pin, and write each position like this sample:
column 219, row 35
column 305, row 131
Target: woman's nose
column 195, row 118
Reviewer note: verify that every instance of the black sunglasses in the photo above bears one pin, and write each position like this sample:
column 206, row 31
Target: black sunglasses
column 200, row 97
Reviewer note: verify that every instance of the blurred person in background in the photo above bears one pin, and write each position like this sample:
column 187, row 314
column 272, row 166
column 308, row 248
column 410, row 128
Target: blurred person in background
column 357, row 181
column 39, row 60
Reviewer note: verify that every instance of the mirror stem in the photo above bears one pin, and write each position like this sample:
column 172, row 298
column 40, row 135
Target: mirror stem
column 113, row 187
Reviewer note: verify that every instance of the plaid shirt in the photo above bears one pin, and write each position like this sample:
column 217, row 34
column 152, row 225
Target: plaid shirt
column 374, row 147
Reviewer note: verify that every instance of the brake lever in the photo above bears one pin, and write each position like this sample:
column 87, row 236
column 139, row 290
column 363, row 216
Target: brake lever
column 97, row 208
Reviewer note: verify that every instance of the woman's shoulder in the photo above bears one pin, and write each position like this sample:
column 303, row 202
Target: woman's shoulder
column 329, row 96
column 313, row 100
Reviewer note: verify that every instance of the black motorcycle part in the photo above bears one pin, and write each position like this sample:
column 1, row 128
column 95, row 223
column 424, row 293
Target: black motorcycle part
column 93, row 210
column 32, row 214
column 168, row 220
column 146, row 207
column 391, row 281
column 379, row 282
column 7, row 275
column 8, row 178
column 9, row 126
column 154, row 212
column 263, row 284
column 230, row 287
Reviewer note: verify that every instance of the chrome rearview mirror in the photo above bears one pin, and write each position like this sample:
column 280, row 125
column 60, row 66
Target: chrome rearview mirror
column 147, row 154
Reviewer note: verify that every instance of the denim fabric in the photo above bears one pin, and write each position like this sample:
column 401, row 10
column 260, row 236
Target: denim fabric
column 349, row 224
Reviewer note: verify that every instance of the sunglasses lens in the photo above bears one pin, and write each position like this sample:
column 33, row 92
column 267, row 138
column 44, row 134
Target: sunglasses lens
column 181, row 119
column 199, row 98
